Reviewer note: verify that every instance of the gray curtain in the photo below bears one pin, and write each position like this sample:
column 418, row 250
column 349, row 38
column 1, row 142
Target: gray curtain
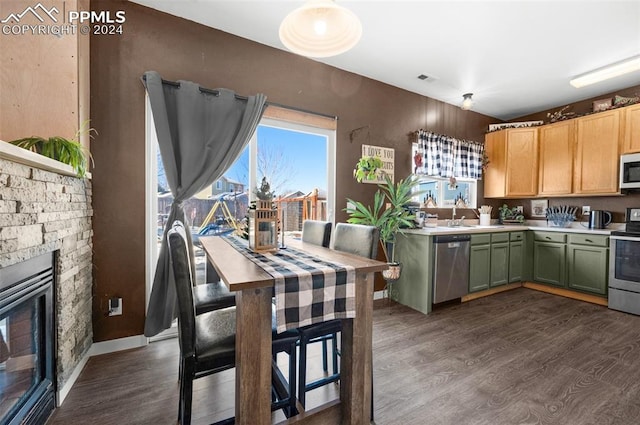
column 200, row 133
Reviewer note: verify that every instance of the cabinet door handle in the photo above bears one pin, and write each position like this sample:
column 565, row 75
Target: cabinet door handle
column 547, row 237
column 588, row 240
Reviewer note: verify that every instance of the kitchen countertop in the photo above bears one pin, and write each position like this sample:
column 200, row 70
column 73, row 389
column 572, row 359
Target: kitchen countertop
column 538, row 225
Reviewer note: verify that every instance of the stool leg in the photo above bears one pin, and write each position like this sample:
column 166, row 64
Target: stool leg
column 334, row 340
column 302, row 380
column 325, row 365
column 292, row 381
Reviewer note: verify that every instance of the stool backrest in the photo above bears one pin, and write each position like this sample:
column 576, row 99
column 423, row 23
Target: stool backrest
column 181, row 265
column 316, row 232
column 356, row 239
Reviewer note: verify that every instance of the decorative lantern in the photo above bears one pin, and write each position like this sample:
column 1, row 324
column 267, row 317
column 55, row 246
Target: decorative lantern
column 263, row 227
column 263, row 221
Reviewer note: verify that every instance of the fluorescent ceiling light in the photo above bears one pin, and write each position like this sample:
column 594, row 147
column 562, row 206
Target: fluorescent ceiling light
column 607, row 72
column 319, row 29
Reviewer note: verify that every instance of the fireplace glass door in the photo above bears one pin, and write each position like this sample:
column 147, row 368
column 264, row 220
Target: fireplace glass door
column 26, row 342
column 19, row 350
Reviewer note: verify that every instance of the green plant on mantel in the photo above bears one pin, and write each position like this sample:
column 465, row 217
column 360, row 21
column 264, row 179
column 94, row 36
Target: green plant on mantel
column 67, row 151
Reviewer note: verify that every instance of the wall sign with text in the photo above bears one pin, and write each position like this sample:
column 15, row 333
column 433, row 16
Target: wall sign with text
column 387, row 155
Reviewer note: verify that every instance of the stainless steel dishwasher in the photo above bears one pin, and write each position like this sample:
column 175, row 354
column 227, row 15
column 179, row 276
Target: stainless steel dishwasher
column 450, row 267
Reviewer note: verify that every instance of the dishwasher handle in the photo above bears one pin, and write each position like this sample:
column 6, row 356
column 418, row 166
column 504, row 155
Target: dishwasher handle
column 462, row 237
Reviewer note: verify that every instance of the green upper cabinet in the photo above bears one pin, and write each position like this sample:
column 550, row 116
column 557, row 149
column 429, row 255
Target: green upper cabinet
column 587, row 263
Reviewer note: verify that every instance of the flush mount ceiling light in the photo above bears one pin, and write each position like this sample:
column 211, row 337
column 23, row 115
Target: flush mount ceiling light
column 319, row 29
column 607, row 72
column 467, row 102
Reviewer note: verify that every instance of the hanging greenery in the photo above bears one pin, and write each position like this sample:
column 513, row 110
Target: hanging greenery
column 368, row 168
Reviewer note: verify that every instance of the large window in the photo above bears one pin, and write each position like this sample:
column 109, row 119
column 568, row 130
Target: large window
column 298, row 161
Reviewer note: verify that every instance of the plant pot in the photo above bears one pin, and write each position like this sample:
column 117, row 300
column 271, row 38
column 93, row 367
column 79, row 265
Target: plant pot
column 393, row 272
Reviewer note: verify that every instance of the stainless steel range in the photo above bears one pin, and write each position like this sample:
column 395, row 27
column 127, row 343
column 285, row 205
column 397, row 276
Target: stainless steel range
column 624, row 266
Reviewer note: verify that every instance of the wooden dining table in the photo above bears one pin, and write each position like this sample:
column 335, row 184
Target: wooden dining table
column 253, row 288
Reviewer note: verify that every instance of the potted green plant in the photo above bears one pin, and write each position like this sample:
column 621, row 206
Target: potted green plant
column 509, row 215
column 368, row 168
column 67, row 151
column 388, row 220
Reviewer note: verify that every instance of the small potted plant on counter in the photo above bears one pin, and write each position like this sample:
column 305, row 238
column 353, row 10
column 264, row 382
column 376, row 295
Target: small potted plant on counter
column 508, row 215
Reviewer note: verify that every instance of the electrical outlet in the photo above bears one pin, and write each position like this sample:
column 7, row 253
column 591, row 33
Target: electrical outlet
column 115, row 306
column 519, row 209
column 586, row 210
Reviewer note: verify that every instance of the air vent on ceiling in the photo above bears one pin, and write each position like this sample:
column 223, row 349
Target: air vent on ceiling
column 427, row 78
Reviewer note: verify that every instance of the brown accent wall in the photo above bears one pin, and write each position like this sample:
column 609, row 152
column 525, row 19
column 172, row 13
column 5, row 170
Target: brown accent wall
column 180, row 49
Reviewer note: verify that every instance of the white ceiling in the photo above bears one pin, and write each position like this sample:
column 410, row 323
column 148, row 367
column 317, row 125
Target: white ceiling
column 516, row 57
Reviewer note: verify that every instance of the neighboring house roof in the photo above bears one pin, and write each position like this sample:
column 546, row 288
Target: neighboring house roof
column 228, row 180
column 295, row 194
column 229, row 196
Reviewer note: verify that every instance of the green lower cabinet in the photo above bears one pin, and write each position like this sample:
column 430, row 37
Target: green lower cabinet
column 549, row 263
column 492, row 262
column 587, row 268
column 499, row 264
column 516, row 261
column 576, row 261
column 479, row 270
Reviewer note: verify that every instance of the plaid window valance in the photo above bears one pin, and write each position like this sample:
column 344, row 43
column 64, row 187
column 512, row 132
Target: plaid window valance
column 445, row 156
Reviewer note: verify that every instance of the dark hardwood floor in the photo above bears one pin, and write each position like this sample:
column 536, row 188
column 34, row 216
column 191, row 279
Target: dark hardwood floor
column 518, row 357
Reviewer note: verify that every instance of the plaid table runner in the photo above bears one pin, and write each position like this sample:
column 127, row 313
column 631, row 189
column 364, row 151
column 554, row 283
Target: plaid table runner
column 308, row 289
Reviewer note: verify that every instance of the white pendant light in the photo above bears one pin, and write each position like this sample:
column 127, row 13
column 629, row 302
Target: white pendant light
column 319, row 29
column 607, row 72
column 467, row 102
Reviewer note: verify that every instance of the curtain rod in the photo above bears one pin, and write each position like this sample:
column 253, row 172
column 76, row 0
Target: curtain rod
column 240, row 97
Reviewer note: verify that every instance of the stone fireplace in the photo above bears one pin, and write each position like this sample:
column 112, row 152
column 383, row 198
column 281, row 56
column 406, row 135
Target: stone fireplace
column 46, row 210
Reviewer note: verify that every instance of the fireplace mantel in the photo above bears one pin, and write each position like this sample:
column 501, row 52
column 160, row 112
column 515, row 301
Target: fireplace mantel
column 23, row 156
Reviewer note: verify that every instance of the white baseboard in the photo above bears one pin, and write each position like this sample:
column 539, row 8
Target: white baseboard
column 64, row 391
column 95, row 350
column 119, row 344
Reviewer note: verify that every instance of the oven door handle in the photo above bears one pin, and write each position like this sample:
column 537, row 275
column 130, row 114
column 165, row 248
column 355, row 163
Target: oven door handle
column 625, row 238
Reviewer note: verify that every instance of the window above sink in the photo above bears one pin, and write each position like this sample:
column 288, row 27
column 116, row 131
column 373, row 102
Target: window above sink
column 442, row 192
column 446, row 195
